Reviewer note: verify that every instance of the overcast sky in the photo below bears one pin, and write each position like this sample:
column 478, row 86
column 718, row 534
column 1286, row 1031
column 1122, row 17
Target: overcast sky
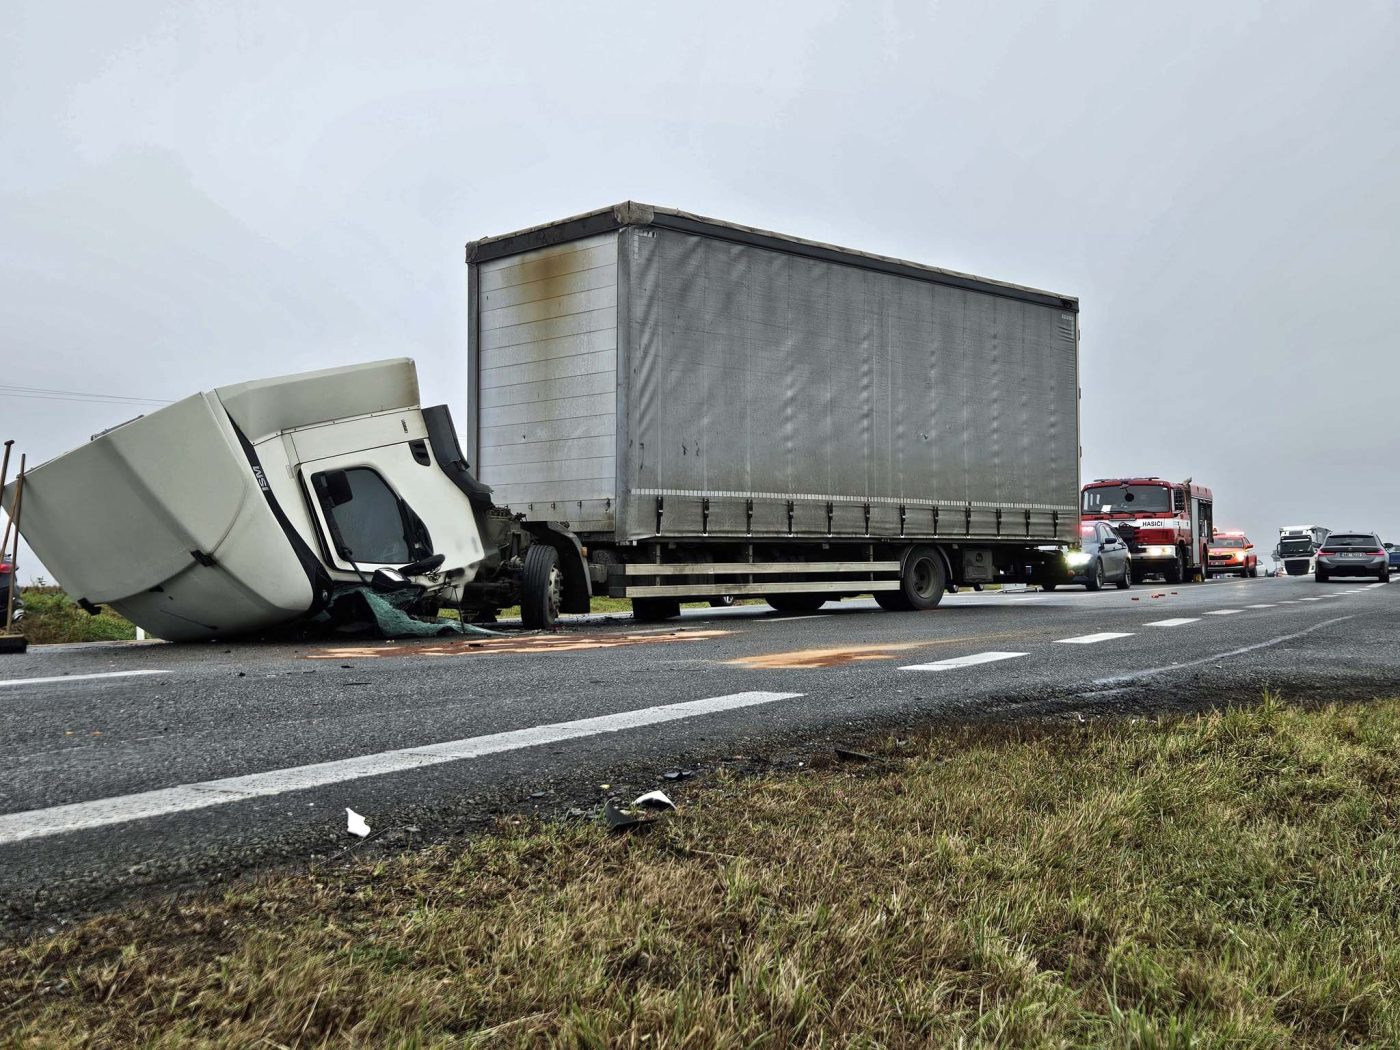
column 198, row 193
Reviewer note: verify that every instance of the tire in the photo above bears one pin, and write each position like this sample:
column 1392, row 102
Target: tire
column 1139, row 575
column 1095, row 580
column 1384, row 576
column 541, row 588
column 892, row 601
column 1175, row 570
column 922, row 579
column 654, row 610
column 795, row 603
column 1320, row 576
column 1127, row 580
column 723, row 601
column 1048, row 586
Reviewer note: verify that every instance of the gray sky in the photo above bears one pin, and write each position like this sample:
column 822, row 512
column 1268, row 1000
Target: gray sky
column 200, row 193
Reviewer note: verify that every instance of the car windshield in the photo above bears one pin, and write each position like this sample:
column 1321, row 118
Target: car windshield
column 1128, row 499
column 1357, row 539
column 1227, row 541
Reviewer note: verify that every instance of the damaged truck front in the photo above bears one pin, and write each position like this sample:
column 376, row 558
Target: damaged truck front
column 269, row 503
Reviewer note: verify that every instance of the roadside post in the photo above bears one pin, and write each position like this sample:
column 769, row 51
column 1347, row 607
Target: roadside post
column 9, row 641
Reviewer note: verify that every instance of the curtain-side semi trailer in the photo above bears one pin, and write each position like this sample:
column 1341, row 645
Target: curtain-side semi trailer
column 718, row 410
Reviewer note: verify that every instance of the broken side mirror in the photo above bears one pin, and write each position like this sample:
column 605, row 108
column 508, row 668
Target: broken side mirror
column 388, row 580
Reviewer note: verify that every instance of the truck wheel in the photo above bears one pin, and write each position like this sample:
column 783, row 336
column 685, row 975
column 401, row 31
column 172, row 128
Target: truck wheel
column 541, row 587
column 654, row 610
column 1094, row 581
column 893, row 601
column 795, row 603
column 923, row 580
column 723, row 601
column 1175, row 570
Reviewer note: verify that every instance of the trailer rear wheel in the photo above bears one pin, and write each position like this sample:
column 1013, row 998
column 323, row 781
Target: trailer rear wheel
column 541, row 587
column 654, row 610
column 922, row 580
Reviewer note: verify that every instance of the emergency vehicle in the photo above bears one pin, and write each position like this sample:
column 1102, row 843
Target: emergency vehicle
column 1230, row 553
column 1168, row 524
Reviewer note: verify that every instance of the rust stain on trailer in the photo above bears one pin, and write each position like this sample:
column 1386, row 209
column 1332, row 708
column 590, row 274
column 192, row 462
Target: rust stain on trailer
column 552, row 643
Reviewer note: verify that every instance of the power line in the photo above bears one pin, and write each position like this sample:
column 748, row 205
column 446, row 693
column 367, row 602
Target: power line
column 88, row 397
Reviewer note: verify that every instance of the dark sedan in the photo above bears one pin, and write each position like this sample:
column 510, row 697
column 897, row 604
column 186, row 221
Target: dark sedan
column 1353, row 554
column 1102, row 558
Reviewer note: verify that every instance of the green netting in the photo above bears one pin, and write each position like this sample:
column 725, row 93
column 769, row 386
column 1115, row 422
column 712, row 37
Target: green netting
column 358, row 609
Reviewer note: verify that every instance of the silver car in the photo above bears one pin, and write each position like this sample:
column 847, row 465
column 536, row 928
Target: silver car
column 1102, row 558
column 1352, row 554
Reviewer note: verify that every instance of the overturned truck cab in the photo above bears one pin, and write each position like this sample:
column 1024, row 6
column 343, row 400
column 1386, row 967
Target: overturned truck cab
column 258, row 505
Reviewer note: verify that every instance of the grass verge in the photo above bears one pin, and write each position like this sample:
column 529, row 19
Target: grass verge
column 1221, row 880
column 52, row 616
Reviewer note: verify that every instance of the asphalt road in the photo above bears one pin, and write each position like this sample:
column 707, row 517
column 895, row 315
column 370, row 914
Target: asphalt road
column 128, row 768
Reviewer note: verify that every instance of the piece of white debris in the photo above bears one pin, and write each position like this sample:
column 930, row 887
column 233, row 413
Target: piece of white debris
column 654, row 800
column 357, row 825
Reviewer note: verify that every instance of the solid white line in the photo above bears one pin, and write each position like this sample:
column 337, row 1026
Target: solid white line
column 962, row 661
column 76, row 677
column 1090, row 639
column 1177, row 622
column 1133, row 676
column 1224, row 612
column 81, row 816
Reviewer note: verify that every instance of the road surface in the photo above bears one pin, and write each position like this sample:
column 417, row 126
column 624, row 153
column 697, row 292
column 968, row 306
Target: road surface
column 129, row 768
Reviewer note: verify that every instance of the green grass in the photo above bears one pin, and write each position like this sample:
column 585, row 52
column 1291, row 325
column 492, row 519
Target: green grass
column 1227, row 880
column 51, row 616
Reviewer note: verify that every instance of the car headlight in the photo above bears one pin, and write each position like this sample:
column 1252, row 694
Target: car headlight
column 1074, row 559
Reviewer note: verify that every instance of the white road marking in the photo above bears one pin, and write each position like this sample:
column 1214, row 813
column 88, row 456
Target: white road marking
column 1266, row 605
column 1315, row 598
column 75, row 677
column 1133, row 676
column 962, row 661
column 785, row 619
column 1090, row 639
column 1176, row 622
column 1223, row 612
column 82, row 816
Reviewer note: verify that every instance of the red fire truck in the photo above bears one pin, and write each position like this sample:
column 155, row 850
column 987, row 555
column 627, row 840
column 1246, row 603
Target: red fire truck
column 1168, row 524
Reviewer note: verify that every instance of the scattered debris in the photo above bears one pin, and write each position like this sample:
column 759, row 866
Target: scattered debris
column 654, row 800
column 621, row 819
column 674, row 774
column 356, row 824
column 846, row 755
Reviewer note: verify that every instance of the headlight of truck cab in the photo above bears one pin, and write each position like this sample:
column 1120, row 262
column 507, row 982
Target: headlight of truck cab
column 1074, row 559
column 1158, row 552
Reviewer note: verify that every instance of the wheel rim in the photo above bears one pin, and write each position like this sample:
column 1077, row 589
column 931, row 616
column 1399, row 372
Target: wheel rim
column 921, row 578
column 1098, row 573
column 554, row 594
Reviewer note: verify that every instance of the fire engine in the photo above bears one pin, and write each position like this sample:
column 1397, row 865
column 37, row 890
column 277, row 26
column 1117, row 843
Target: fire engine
column 1168, row 524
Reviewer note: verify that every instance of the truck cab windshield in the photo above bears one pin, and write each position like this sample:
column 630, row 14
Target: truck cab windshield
column 1289, row 547
column 1128, row 499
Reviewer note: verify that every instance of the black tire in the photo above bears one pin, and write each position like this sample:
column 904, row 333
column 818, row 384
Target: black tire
column 893, row 601
column 923, row 579
column 1384, row 576
column 1320, row 576
column 541, row 588
column 1048, row 586
column 795, row 603
column 723, row 601
column 654, row 610
column 1139, row 575
column 1094, row 582
column 1127, row 580
column 1173, row 572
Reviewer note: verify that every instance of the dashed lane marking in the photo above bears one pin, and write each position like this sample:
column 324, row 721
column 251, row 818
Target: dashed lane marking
column 1090, row 639
column 962, row 661
column 1224, row 612
column 1175, row 622
column 802, row 659
column 76, row 677
column 551, row 643
column 1315, row 598
column 84, row 816
column 1266, row 605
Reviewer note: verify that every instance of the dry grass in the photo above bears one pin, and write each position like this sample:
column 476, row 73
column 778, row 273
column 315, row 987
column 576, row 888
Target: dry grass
column 1227, row 880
